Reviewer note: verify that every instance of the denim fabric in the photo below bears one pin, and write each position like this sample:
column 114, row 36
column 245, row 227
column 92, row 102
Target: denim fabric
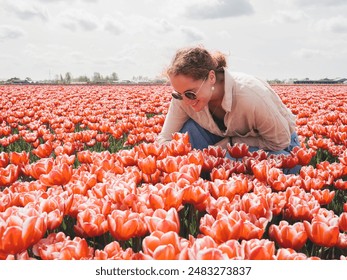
column 201, row 138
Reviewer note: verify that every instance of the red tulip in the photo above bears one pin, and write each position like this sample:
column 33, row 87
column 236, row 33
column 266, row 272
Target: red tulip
column 322, row 233
column 43, row 150
column 343, row 222
column 42, row 166
column 20, row 228
column 59, row 175
column 289, row 236
column 163, row 221
column 59, row 247
column 4, row 159
column 256, row 249
column 162, row 246
column 113, row 251
column 148, row 165
column 289, row 254
column 9, row 174
column 238, row 150
column 124, row 225
column 90, row 223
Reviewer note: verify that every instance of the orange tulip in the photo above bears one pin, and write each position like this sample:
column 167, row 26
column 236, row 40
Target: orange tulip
column 196, row 195
column 113, row 251
column 162, row 246
column 205, row 248
column 8, row 175
column 169, row 164
column 304, row 156
column 232, row 248
column 238, row 150
column 343, row 222
column 148, row 165
column 256, row 249
column 322, row 233
column 124, row 225
column 220, row 173
column 59, row 247
column 289, row 236
column 90, row 223
column 324, row 197
column 59, row 175
column 20, row 228
column 4, row 159
column 289, row 254
column 42, row 166
column 164, row 221
column 43, row 150
column 340, row 184
column 221, row 229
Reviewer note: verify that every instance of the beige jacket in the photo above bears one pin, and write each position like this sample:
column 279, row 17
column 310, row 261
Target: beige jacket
column 255, row 115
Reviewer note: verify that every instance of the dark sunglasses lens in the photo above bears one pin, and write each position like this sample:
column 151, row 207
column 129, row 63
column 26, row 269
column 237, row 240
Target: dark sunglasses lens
column 190, row 95
column 176, row 96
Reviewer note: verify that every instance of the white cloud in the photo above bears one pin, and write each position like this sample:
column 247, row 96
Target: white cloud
column 74, row 19
column 307, row 53
column 289, row 16
column 10, row 32
column 25, row 10
column 219, row 9
column 113, row 26
column 192, row 34
column 316, row 3
column 336, row 24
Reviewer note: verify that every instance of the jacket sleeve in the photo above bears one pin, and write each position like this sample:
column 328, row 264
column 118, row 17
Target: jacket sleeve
column 174, row 121
column 271, row 130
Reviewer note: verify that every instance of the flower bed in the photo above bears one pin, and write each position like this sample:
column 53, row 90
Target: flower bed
column 81, row 177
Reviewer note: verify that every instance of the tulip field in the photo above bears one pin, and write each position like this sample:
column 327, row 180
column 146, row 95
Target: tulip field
column 82, row 177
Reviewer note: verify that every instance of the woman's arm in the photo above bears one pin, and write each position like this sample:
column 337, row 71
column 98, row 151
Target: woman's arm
column 174, row 121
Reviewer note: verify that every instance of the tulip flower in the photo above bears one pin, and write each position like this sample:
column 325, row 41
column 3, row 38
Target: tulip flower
column 256, row 249
column 148, row 165
column 4, row 159
column 57, row 246
column 59, row 175
column 238, row 150
column 8, row 175
column 322, row 233
column 90, row 223
column 124, row 225
column 162, row 246
column 163, row 221
column 289, row 236
column 220, row 173
column 113, row 251
column 43, row 150
column 289, row 254
column 42, row 166
column 20, row 228
column 343, row 222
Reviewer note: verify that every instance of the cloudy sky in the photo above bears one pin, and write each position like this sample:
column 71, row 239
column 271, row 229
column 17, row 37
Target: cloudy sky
column 268, row 38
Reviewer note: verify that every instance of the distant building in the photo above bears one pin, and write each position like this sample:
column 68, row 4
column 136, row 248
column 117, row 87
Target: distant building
column 321, row 81
column 19, row 81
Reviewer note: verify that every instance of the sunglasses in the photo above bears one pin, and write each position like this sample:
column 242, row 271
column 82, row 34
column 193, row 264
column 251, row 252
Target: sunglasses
column 188, row 93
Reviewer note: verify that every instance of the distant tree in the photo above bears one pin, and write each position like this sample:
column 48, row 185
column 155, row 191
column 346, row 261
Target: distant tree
column 83, row 79
column 114, row 77
column 97, row 78
column 68, row 78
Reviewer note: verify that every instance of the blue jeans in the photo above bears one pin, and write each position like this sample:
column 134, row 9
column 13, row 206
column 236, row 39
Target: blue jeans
column 201, row 138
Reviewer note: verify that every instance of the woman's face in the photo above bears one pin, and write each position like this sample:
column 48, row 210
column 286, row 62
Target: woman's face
column 186, row 86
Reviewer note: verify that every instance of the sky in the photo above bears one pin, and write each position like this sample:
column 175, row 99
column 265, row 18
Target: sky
column 272, row 39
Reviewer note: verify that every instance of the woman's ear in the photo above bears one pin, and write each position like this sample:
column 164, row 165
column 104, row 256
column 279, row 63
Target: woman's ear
column 212, row 77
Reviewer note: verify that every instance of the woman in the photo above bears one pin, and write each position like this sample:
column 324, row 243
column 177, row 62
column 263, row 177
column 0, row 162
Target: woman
column 216, row 106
